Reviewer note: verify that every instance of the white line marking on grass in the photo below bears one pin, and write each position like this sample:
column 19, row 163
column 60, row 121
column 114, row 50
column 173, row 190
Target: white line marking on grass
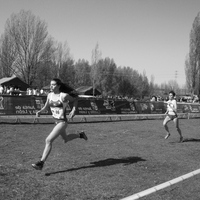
column 162, row 186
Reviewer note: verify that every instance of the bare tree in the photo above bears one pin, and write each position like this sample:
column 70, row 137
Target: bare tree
column 96, row 55
column 151, row 85
column 173, row 85
column 62, row 55
column 82, row 73
column 29, row 44
column 7, row 56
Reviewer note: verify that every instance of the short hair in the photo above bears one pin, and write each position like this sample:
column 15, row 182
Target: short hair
column 172, row 92
column 154, row 97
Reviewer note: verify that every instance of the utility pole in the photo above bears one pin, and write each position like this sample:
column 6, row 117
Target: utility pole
column 176, row 75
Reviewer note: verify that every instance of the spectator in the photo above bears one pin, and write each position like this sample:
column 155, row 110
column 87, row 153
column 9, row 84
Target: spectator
column 41, row 91
column 196, row 99
column 153, row 98
column 8, row 90
column 29, row 91
column 1, row 89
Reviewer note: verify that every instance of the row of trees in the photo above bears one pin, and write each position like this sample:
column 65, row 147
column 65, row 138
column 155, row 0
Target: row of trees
column 192, row 62
column 29, row 52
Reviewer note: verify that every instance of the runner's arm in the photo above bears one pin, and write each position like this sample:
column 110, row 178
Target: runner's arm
column 69, row 98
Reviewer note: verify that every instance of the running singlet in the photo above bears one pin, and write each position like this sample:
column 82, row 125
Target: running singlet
column 57, row 107
column 171, row 106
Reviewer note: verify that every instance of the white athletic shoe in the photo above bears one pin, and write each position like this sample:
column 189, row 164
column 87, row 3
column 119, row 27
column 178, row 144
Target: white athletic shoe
column 166, row 137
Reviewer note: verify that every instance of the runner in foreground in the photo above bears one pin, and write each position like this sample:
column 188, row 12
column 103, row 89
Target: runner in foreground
column 58, row 100
column 172, row 115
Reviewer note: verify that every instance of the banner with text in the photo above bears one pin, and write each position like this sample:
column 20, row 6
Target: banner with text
column 28, row 105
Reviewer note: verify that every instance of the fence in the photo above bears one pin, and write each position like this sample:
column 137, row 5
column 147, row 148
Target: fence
column 24, row 106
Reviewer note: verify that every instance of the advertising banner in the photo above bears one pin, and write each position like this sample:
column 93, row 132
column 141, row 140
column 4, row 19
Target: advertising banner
column 157, row 107
column 105, row 106
column 188, row 108
column 21, row 105
column 28, row 105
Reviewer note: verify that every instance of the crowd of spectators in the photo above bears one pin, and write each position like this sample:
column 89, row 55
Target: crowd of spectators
column 156, row 98
column 183, row 99
column 15, row 90
column 9, row 90
column 36, row 92
column 190, row 99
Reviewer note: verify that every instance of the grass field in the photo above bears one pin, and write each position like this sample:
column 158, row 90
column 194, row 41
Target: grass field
column 119, row 159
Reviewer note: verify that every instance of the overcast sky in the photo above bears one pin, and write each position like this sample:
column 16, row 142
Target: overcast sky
column 147, row 35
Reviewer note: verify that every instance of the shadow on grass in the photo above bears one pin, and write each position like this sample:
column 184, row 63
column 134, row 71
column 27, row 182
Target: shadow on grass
column 191, row 140
column 187, row 140
column 102, row 163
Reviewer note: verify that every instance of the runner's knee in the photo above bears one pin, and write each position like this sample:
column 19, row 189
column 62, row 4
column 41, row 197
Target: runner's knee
column 48, row 140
